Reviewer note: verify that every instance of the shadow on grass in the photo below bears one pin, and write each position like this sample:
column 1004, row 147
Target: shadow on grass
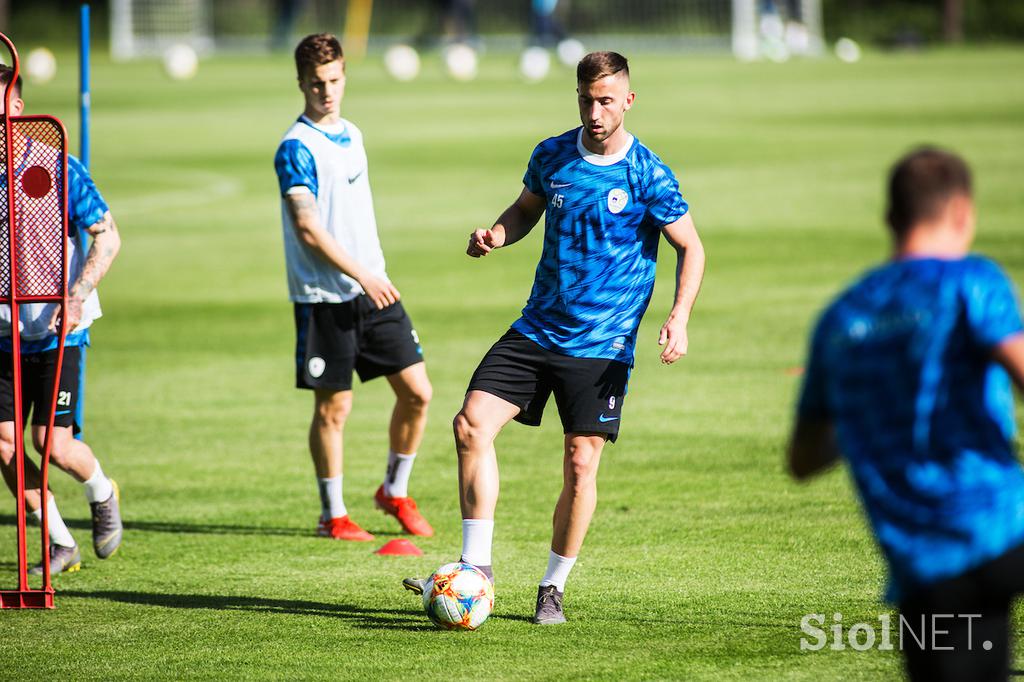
column 178, row 528
column 387, row 619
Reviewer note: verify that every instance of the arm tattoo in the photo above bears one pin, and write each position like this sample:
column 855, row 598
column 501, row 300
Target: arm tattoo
column 303, row 207
column 104, row 247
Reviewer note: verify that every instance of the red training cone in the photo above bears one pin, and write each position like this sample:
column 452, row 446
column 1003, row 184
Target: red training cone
column 400, row 546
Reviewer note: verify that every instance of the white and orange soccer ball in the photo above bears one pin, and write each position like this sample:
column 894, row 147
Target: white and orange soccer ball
column 458, row 597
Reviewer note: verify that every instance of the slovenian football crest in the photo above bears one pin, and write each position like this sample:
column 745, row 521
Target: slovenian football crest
column 617, row 200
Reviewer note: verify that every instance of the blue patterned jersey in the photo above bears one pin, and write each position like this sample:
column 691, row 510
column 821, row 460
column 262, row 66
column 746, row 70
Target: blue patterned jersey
column 601, row 229
column 902, row 364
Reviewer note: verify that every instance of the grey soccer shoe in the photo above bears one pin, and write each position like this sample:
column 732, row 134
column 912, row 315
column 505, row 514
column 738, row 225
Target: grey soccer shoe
column 106, row 524
column 549, row 606
column 415, row 585
column 62, row 560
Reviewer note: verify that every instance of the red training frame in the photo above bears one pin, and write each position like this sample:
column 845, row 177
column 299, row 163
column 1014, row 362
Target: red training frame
column 37, row 267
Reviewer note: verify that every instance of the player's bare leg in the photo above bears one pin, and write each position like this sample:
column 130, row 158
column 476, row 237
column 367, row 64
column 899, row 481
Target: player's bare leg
column 578, row 500
column 408, row 420
column 64, row 553
column 71, row 456
column 413, row 393
column 476, row 426
column 330, row 412
column 77, row 459
column 571, row 520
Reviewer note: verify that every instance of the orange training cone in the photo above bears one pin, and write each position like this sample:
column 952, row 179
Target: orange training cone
column 400, row 547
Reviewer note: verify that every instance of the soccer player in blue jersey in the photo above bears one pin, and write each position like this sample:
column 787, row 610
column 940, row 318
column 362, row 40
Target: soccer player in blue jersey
column 607, row 201
column 909, row 380
column 348, row 317
column 87, row 211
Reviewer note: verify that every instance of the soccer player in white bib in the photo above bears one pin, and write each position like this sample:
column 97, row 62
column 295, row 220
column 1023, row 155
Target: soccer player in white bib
column 88, row 212
column 607, row 201
column 348, row 317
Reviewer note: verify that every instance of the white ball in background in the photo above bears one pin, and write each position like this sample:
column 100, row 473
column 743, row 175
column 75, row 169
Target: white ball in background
column 570, row 51
column 40, row 65
column 775, row 50
column 181, row 62
column 461, row 62
column 402, row 62
column 534, row 64
column 847, row 50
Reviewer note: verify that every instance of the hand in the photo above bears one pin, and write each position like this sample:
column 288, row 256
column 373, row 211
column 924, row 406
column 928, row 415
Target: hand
column 673, row 337
column 482, row 242
column 72, row 316
column 381, row 292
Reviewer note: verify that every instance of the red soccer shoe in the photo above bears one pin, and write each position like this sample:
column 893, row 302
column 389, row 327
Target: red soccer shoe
column 342, row 528
column 403, row 509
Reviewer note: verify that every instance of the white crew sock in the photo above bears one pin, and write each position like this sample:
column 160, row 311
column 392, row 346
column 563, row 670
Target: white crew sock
column 59, row 533
column 396, row 479
column 332, row 505
column 476, row 541
column 558, row 570
column 98, row 487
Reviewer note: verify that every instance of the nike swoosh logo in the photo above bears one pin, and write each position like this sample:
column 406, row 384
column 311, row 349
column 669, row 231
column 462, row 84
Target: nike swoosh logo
column 604, row 420
column 560, row 185
column 355, row 177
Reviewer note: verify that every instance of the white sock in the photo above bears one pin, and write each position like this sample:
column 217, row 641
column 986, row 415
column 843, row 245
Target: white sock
column 476, row 541
column 332, row 505
column 98, row 487
column 558, row 570
column 59, row 533
column 396, row 480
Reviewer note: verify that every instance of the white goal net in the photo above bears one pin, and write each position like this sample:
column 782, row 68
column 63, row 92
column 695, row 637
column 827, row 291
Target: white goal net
column 751, row 29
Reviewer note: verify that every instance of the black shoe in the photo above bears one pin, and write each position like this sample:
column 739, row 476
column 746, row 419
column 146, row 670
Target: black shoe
column 549, row 606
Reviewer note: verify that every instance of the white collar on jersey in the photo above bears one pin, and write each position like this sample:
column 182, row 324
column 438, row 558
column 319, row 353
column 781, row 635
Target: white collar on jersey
column 335, row 129
column 602, row 159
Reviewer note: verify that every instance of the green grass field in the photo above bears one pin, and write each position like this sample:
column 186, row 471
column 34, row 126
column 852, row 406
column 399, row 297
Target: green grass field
column 703, row 556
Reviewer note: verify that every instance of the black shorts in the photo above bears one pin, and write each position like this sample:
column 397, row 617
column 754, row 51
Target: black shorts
column 37, row 373
column 333, row 339
column 588, row 391
column 969, row 618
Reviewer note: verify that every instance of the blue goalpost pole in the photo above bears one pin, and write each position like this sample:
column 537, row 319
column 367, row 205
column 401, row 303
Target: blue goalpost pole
column 83, row 80
column 84, row 108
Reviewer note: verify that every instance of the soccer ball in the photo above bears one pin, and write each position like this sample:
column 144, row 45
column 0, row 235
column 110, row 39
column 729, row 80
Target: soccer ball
column 458, row 597
column 402, row 62
column 461, row 62
column 570, row 52
column 534, row 64
column 41, row 65
column 181, row 62
column 847, row 50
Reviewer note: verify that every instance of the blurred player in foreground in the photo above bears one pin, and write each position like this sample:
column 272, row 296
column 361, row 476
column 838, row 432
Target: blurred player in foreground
column 347, row 312
column 608, row 200
column 86, row 211
column 909, row 379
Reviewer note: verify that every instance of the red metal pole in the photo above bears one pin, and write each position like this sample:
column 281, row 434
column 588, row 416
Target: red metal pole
column 19, row 439
column 61, row 338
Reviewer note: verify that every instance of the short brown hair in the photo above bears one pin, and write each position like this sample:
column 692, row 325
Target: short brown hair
column 316, row 49
column 597, row 65
column 5, row 77
column 921, row 183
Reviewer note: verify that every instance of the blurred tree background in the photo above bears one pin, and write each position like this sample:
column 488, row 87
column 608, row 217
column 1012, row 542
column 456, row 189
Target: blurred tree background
column 887, row 23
